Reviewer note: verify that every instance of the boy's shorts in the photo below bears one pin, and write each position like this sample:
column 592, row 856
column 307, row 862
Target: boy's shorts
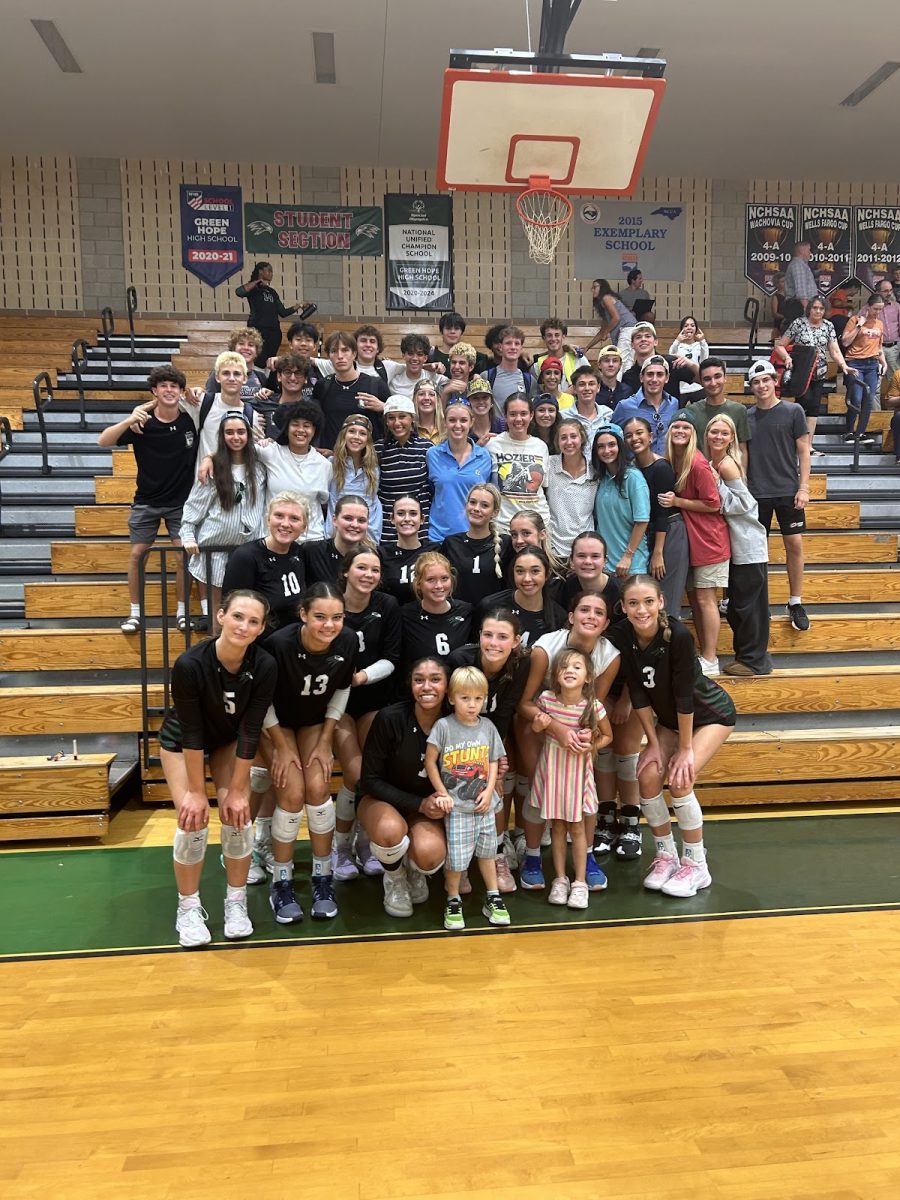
column 469, row 834
column 144, row 521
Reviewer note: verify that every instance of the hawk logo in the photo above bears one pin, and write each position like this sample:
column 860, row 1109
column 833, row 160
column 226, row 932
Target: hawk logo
column 260, row 227
column 368, row 231
column 671, row 213
column 195, row 200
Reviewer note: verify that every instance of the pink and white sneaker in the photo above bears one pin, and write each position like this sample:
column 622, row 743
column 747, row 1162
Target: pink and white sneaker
column 690, row 878
column 662, row 869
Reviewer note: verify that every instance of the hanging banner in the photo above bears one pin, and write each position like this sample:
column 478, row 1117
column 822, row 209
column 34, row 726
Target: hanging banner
column 829, row 230
column 613, row 238
column 212, row 243
column 769, row 237
column 877, row 243
column 312, row 229
column 419, row 251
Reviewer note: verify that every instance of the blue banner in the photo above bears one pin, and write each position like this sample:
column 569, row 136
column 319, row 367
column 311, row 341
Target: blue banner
column 212, row 235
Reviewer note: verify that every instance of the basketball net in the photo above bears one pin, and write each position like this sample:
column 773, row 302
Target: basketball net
column 545, row 213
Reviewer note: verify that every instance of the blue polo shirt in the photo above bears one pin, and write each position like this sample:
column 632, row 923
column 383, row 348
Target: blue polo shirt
column 637, row 406
column 451, row 484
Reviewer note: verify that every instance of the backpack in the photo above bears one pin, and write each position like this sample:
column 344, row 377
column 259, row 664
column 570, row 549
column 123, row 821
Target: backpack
column 207, row 402
column 798, row 380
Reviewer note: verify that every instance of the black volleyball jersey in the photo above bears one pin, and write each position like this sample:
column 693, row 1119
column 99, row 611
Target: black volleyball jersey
column 281, row 578
column 532, row 624
column 505, row 689
column 377, row 630
column 475, row 563
column 215, row 707
column 307, row 681
column 323, row 561
column 610, row 593
column 393, row 761
column 434, row 633
column 666, row 677
column 397, row 568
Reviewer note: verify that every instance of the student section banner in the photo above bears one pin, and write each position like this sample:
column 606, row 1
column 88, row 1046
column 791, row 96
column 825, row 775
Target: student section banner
column 877, row 230
column 612, row 239
column 212, row 238
column 829, row 230
column 769, row 237
column 419, row 252
column 312, row 229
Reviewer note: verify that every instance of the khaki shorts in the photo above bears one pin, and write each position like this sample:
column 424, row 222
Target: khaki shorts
column 713, row 575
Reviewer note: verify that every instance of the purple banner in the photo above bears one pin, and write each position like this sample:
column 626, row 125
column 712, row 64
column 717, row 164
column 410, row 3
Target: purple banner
column 212, row 235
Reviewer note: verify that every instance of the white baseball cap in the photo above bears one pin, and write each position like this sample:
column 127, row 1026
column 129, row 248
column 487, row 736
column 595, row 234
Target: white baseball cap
column 401, row 404
column 762, row 366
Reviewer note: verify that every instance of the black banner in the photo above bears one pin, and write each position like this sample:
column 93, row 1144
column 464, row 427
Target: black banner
column 770, row 234
column 829, row 230
column 877, row 243
column 419, row 237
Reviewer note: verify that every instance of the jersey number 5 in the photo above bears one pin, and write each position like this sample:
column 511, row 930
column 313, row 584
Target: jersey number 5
column 230, row 706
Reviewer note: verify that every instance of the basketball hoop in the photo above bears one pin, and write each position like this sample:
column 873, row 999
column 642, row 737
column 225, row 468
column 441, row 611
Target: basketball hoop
column 545, row 213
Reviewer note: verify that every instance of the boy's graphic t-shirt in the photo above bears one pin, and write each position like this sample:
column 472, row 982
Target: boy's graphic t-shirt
column 465, row 754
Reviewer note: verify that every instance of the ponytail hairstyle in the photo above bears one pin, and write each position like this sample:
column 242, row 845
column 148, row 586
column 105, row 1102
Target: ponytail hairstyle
column 541, row 556
column 258, row 267
column 348, row 560
column 492, row 524
column 223, row 477
column 244, row 594
column 318, row 591
column 518, row 651
column 539, row 525
column 341, row 457
column 688, row 452
column 431, row 558
column 588, row 718
column 648, row 581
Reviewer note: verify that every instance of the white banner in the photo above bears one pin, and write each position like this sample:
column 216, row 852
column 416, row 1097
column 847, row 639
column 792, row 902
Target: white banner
column 615, row 237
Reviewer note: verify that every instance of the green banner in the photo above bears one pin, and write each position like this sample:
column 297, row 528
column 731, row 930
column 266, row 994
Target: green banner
column 312, row 229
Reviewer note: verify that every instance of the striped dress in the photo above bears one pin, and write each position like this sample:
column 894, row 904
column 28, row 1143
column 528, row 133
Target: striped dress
column 564, row 785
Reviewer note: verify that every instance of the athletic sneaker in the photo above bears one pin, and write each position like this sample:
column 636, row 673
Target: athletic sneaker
column 690, row 878
column 453, row 914
column 723, row 606
column 865, row 439
column 596, row 880
column 494, row 908
column 662, row 869
column 578, row 895
column 237, row 923
column 418, row 883
column 531, row 877
column 283, row 902
column 397, row 900
column 509, row 848
column 709, row 666
column 342, row 864
column 190, row 925
column 849, row 437
column 546, row 835
column 261, row 863
column 505, row 881
column 370, row 865
column 607, row 832
column 629, row 844
column 559, row 891
column 465, row 887
column 799, row 618
column 324, row 905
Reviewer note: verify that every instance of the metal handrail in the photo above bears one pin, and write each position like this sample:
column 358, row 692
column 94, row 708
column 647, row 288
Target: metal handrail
column 5, row 447
column 148, row 710
column 80, row 359
column 751, row 314
column 40, row 403
column 108, row 323
column 131, row 303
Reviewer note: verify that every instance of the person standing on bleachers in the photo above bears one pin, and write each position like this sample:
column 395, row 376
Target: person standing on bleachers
column 266, row 309
column 799, row 283
column 163, row 439
column 713, row 402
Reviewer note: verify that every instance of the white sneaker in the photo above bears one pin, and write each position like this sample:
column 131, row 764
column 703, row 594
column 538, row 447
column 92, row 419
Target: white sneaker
column 662, row 869
column 190, row 925
column 397, row 900
column 709, row 666
column 260, row 863
column 546, row 835
column 509, row 850
column 578, row 895
column 559, row 891
column 690, row 878
column 237, row 923
column 417, row 882
column 505, row 881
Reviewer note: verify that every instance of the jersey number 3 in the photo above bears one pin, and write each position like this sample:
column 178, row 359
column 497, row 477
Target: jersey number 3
column 649, row 674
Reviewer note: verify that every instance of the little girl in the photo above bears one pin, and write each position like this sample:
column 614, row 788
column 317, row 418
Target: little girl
column 575, row 725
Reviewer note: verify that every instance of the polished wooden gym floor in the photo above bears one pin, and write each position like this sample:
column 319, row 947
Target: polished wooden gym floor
column 621, row 1054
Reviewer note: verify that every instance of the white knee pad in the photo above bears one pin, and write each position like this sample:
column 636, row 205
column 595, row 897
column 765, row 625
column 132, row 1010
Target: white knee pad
column 188, row 849
column 320, row 817
column 605, row 762
column 531, row 812
column 387, row 855
column 688, row 813
column 260, row 780
column 235, row 844
column 509, row 783
column 285, row 825
column 655, row 811
column 344, row 804
column 626, row 766
column 434, row 870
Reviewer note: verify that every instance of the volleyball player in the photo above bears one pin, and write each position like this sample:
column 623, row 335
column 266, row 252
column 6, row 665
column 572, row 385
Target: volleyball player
column 529, row 599
column 399, row 558
column 323, row 558
column 273, row 565
column 435, row 622
column 477, row 554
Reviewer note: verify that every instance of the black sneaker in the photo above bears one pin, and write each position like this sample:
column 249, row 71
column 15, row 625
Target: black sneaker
column 849, row 437
column 629, row 844
column 607, row 832
column 324, row 905
column 799, row 619
column 284, row 904
column 865, row 439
